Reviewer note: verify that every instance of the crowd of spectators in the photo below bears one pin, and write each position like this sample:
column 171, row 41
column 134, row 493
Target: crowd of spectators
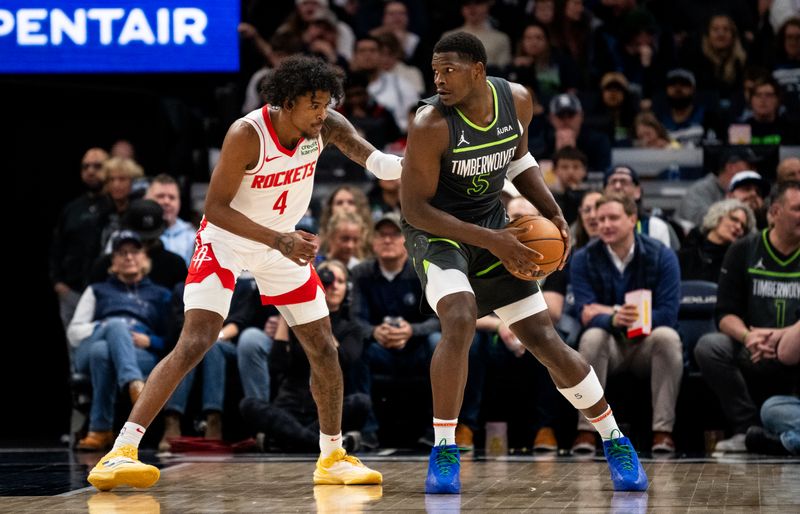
column 604, row 74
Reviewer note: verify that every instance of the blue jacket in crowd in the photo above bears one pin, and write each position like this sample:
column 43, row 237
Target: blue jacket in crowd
column 595, row 279
column 373, row 297
column 145, row 304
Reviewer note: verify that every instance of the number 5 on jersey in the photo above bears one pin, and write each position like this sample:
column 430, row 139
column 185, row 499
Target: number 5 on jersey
column 280, row 203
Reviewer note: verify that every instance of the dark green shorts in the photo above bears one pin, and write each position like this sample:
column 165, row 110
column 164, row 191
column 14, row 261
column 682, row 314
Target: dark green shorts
column 493, row 285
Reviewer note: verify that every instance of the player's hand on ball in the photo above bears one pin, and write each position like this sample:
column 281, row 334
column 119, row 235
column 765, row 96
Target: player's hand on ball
column 298, row 246
column 524, row 270
column 543, row 239
column 514, row 255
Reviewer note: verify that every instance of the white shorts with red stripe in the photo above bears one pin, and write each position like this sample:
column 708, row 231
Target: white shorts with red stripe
column 217, row 262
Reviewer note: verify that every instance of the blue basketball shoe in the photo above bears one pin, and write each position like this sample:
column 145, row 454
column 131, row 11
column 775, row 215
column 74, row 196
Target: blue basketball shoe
column 627, row 474
column 444, row 468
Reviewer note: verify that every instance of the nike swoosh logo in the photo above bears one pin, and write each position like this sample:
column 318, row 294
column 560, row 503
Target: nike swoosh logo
column 267, row 159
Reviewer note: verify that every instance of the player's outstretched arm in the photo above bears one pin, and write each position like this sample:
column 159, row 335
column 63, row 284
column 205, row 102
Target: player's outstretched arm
column 338, row 131
column 525, row 172
column 240, row 153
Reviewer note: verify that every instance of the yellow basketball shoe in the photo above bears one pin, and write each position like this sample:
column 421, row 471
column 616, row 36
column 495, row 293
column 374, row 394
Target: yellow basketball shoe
column 121, row 466
column 341, row 469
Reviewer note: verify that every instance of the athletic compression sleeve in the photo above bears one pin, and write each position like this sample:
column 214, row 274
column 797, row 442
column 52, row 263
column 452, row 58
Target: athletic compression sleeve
column 385, row 166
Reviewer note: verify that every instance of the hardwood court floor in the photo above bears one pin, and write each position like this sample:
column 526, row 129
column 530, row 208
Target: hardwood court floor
column 258, row 483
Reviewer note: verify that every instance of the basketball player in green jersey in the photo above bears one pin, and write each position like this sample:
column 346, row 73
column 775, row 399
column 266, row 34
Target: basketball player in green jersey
column 462, row 145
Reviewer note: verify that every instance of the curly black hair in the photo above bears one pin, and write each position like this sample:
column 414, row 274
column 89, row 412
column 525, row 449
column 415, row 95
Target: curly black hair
column 298, row 75
column 465, row 45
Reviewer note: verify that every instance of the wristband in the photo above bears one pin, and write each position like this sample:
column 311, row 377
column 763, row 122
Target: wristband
column 744, row 336
column 384, row 166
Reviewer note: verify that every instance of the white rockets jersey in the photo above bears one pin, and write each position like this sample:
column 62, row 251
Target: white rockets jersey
column 277, row 191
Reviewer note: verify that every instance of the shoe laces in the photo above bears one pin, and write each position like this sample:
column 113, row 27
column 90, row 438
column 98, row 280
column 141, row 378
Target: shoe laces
column 446, row 457
column 352, row 460
column 340, row 455
column 621, row 453
column 123, row 451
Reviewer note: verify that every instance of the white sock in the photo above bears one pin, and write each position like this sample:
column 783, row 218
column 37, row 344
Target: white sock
column 606, row 425
column 444, row 431
column 130, row 434
column 329, row 443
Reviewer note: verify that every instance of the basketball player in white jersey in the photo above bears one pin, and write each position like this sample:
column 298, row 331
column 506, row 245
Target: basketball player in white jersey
column 260, row 189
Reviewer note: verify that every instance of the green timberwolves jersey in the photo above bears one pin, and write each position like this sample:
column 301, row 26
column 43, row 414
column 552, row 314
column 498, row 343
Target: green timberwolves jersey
column 474, row 166
column 772, row 287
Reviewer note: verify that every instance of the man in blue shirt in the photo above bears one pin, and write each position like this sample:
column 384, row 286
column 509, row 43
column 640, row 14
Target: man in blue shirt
column 179, row 235
column 623, row 260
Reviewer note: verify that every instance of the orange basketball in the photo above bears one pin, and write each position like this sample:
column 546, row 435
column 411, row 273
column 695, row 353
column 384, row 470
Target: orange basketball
column 544, row 237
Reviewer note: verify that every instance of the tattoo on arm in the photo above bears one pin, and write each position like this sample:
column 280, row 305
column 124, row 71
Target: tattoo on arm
column 340, row 132
column 284, row 243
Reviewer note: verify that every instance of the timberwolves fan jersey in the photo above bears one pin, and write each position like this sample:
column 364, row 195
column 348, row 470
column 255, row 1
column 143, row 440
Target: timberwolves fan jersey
column 277, row 191
column 474, row 167
column 760, row 285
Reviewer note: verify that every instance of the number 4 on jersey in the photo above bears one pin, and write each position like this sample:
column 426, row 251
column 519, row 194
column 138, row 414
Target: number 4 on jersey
column 280, row 203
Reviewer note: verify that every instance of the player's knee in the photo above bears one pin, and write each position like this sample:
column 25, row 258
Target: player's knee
column 190, row 350
column 459, row 325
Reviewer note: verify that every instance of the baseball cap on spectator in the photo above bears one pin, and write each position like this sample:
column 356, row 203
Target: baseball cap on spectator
column 389, row 217
column 324, row 15
column 749, row 177
column 565, row 103
column 146, row 217
column 681, row 75
column 745, row 154
column 614, row 78
column 622, row 169
column 125, row 236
